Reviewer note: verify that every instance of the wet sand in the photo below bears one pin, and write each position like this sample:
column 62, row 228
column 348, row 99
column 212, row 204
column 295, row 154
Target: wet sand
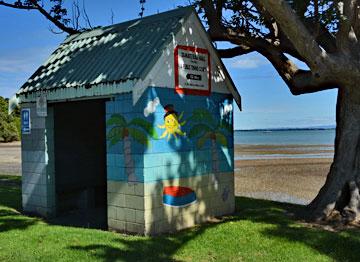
column 283, row 177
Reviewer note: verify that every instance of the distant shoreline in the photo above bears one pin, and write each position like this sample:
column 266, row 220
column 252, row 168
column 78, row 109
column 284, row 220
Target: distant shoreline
column 287, row 129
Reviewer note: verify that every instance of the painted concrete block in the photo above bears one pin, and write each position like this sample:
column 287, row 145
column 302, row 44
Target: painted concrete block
column 152, row 201
column 116, row 225
column 139, row 189
column 116, row 199
column 121, row 213
column 38, row 192
column 160, row 156
column 130, row 214
column 111, row 212
column 140, row 216
column 135, row 228
column 135, row 202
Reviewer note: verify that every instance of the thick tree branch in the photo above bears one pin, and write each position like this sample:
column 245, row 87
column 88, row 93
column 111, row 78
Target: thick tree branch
column 356, row 20
column 236, row 51
column 256, row 43
column 319, row 32
column 215, row 27
column 325, row 39
column 292, row 26
column 299, row 81
column 219, row 6
column 218, row 32
column 346, row 37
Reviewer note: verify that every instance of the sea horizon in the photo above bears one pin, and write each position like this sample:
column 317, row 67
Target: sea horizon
column 323, row 127
column 313, row 136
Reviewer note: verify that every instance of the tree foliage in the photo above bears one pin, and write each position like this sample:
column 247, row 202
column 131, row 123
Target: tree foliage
column 9, row 124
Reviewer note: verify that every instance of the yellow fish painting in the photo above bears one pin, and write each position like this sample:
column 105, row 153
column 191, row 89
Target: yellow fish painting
column 172, row 123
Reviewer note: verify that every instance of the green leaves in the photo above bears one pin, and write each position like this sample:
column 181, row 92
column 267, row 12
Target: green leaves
column 206, row 128
column 221, row 139
column 225, row 125
column 202, row 115
column 147, row 126
column 115, row 135
column 201, row 141
column 198, row 130
column 121, row 128
column 138, row 136
column 116, row 119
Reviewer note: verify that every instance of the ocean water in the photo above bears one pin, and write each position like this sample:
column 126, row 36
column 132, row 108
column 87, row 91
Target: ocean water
column 285, row 144
column 285, row 137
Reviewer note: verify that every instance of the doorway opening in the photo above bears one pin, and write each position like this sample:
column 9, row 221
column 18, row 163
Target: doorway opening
column 80, row 163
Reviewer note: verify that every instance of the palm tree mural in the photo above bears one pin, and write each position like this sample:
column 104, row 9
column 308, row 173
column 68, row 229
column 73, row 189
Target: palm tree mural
column 206, row 129
column 121, row 130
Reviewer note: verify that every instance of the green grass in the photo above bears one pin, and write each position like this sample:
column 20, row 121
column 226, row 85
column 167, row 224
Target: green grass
column 259, row 231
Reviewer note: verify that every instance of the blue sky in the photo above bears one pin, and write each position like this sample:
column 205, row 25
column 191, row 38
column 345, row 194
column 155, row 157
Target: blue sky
column 26, row 42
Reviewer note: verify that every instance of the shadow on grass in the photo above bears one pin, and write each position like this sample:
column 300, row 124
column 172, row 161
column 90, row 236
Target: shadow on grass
column 159, row 248
column 343, row 246
column 340, row 246
column 10, row 205
column 10, row 193
column 11, row 220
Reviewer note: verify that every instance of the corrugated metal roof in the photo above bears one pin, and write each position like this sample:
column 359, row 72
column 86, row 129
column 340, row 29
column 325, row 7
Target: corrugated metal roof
column 112, row 54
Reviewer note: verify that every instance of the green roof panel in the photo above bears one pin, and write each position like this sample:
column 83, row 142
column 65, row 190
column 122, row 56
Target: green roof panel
column 111, row 54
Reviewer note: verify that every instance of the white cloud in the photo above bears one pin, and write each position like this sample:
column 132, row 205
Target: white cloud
column 151, row 106
column 248, row 62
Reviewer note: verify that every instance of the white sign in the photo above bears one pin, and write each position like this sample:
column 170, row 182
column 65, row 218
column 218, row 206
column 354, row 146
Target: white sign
column 41, row 106
column 192, row 70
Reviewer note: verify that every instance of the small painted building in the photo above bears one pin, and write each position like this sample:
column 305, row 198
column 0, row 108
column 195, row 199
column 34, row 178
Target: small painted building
column 131, row 125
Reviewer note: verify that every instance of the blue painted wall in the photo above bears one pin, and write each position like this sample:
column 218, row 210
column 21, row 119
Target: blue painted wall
column 162, row 158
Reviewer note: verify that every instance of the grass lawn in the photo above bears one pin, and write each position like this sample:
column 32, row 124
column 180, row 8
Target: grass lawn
column 258, row 231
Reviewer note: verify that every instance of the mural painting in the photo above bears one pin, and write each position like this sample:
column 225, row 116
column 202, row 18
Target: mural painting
column 177, row 196
column 121, row 130
column 172, row 123
column 151, row 106
column 207, row 128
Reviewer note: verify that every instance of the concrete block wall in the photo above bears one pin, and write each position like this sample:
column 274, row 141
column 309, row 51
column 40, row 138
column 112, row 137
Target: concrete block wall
column 121, row 156
column 126, row 207
column 214, row 197
column 171, row 157
column 38, row 184
column 139, row 208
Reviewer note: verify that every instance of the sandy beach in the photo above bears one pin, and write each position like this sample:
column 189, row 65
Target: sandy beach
column 290, row 175
column 287, row 173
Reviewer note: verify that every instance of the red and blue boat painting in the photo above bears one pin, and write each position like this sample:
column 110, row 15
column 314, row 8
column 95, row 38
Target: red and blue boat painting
column 178, row 196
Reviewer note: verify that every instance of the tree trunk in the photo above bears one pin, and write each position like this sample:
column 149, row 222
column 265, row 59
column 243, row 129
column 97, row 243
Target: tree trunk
column 215, row 159
column 339, row 197
column 129, row 163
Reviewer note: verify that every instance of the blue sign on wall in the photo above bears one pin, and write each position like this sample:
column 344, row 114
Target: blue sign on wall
column 25, row 121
